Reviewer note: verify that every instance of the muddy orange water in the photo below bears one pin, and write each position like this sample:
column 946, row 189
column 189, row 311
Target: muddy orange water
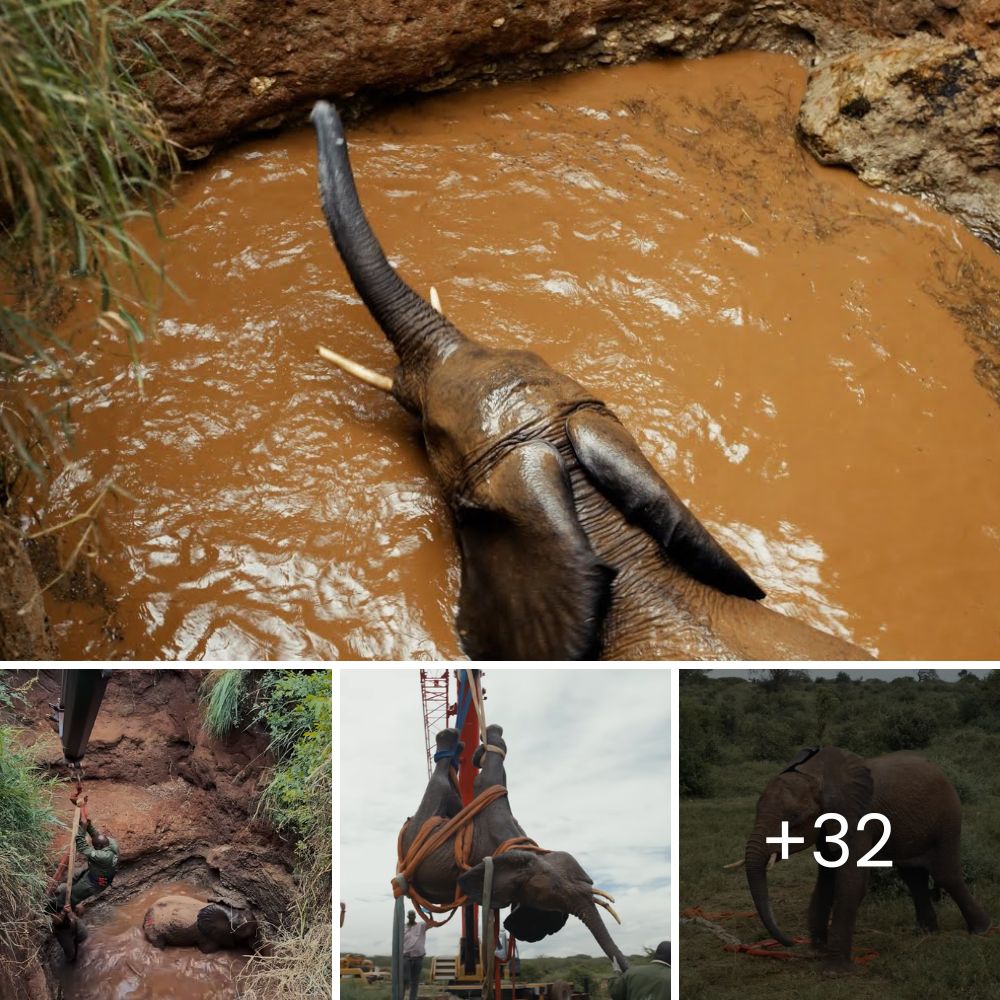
column 116, row 962
column 775, row 334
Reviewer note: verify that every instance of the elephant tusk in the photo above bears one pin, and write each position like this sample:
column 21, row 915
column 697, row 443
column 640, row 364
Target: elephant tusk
column 772, row 861
column 609, row 908
column 735, row 864
column 382, row 382
column 601, row 892
column 435, row 300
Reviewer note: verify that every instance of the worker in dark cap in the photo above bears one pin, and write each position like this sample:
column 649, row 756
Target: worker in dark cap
column 102, row 865
column 645, row 982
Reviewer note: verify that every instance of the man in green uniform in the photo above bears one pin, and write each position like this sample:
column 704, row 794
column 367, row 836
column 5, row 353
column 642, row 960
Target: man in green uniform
column 645, row 982
column 102, row 864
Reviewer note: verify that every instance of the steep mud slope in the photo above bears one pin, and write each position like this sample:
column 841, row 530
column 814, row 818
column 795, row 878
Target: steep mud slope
column 180, row 804
column 269, row 63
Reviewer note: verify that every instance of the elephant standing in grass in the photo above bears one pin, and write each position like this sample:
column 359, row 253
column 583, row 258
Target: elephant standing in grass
column 543, row 888
column 186, row 922
column 572, row 545
column 925, row 818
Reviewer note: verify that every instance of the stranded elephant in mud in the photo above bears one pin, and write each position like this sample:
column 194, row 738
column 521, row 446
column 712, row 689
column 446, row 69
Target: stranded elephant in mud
column 925, row 819
column 572, row 546
column 543, row 887
column 210, row 925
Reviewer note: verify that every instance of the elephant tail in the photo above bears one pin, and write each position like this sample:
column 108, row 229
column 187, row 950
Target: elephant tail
column 416, row 330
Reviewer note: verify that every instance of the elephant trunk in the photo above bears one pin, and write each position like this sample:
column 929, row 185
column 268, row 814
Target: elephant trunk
column 756, row 856
column 592, row 919
column 419, row 334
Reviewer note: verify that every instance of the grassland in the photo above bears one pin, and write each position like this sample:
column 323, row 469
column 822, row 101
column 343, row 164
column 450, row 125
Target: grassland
column 736, row 735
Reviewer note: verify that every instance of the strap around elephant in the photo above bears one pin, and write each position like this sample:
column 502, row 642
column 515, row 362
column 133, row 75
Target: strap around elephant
column 490, row 748
column 435, row 832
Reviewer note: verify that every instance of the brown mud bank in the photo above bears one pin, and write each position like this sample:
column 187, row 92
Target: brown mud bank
column 933, row 130
column 181, row 806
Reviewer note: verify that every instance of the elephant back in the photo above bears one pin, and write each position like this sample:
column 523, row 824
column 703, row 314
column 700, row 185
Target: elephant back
column 172, row 920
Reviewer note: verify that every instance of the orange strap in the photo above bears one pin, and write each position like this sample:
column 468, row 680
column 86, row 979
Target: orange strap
column 769, row 948
column 435, row 832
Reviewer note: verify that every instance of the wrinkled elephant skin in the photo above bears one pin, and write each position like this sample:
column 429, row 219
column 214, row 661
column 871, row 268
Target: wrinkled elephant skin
column 572, row 545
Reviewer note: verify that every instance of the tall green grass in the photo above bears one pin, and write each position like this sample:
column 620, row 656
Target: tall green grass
column 25, row 831
column 82, row 156
column 226, row 694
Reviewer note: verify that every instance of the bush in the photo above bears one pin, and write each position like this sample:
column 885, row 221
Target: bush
column 909, row 728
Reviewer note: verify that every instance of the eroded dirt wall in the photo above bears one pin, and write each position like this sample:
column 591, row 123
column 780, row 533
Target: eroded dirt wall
column 273, row 60
column 180, row 803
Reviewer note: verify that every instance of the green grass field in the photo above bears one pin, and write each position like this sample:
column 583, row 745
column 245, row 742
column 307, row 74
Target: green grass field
column 741, row 750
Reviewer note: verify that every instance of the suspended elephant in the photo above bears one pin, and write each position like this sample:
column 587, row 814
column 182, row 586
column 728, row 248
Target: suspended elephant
column 572, row 545
column 183, row 921
column 543, row 888
column 925, row 821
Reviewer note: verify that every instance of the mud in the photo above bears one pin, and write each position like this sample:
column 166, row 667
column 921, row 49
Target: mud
column 795, row 352
column 116, row 960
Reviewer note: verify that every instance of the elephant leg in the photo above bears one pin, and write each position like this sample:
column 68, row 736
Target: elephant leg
column 850, row 885
column 948, row 875
column 917, row 881
column 819, row 907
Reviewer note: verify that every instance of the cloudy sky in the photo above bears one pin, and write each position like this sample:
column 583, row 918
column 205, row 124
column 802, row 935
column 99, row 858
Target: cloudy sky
column 588, row 769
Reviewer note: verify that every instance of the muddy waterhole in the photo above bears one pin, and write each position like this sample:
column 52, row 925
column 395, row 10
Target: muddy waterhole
column 116, row 961
column 781, row 340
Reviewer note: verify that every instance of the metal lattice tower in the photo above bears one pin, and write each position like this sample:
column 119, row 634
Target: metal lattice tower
column 434, row 695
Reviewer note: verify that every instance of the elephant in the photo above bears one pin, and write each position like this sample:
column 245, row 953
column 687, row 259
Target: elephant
column 213, row 924
column 572, row 546
column 543, row 888
column 925, row 818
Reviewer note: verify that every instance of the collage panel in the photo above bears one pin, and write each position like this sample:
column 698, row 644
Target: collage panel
column 839, row 833
column 166, row 834
column 540, row 795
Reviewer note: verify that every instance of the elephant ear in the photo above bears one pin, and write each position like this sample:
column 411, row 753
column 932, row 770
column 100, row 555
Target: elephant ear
column 528, row 924
column 510, row 871
column 532, row 587
column 622, row 473
column 846, row 785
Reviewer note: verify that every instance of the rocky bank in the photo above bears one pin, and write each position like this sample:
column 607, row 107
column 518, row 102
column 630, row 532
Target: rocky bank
column 903, row 92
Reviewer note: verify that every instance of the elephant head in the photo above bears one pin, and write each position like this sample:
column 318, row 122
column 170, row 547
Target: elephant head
column 225, row 925
column 561, row 521
column 827, row 780
column 543, row 890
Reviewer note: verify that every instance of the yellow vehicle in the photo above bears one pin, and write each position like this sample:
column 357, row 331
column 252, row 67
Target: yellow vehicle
column 359, row 967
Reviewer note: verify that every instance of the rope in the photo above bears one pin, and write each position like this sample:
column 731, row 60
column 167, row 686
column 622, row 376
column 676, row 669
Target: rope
column 436, row 832
column 487, row 945
column 768, row 948
column 397, row 949
column 72, row 855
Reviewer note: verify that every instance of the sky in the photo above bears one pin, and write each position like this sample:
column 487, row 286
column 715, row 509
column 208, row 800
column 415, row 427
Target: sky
column 588, row 772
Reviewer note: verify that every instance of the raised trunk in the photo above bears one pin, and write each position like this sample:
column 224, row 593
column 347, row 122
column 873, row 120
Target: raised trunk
column 756, row 856
column 592, row 919
column 419, row 334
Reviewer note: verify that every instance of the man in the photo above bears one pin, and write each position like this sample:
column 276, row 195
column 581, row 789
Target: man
column 645, row 982
column 102, row 864
column 413, row 952
column 69, row 931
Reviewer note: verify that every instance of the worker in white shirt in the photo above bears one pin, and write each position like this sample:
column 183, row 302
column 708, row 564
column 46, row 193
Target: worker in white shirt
column 414, row 950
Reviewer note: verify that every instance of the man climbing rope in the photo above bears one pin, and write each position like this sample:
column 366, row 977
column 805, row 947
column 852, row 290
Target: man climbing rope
column 102, row 864
column 414, row 949
column 645, row 982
